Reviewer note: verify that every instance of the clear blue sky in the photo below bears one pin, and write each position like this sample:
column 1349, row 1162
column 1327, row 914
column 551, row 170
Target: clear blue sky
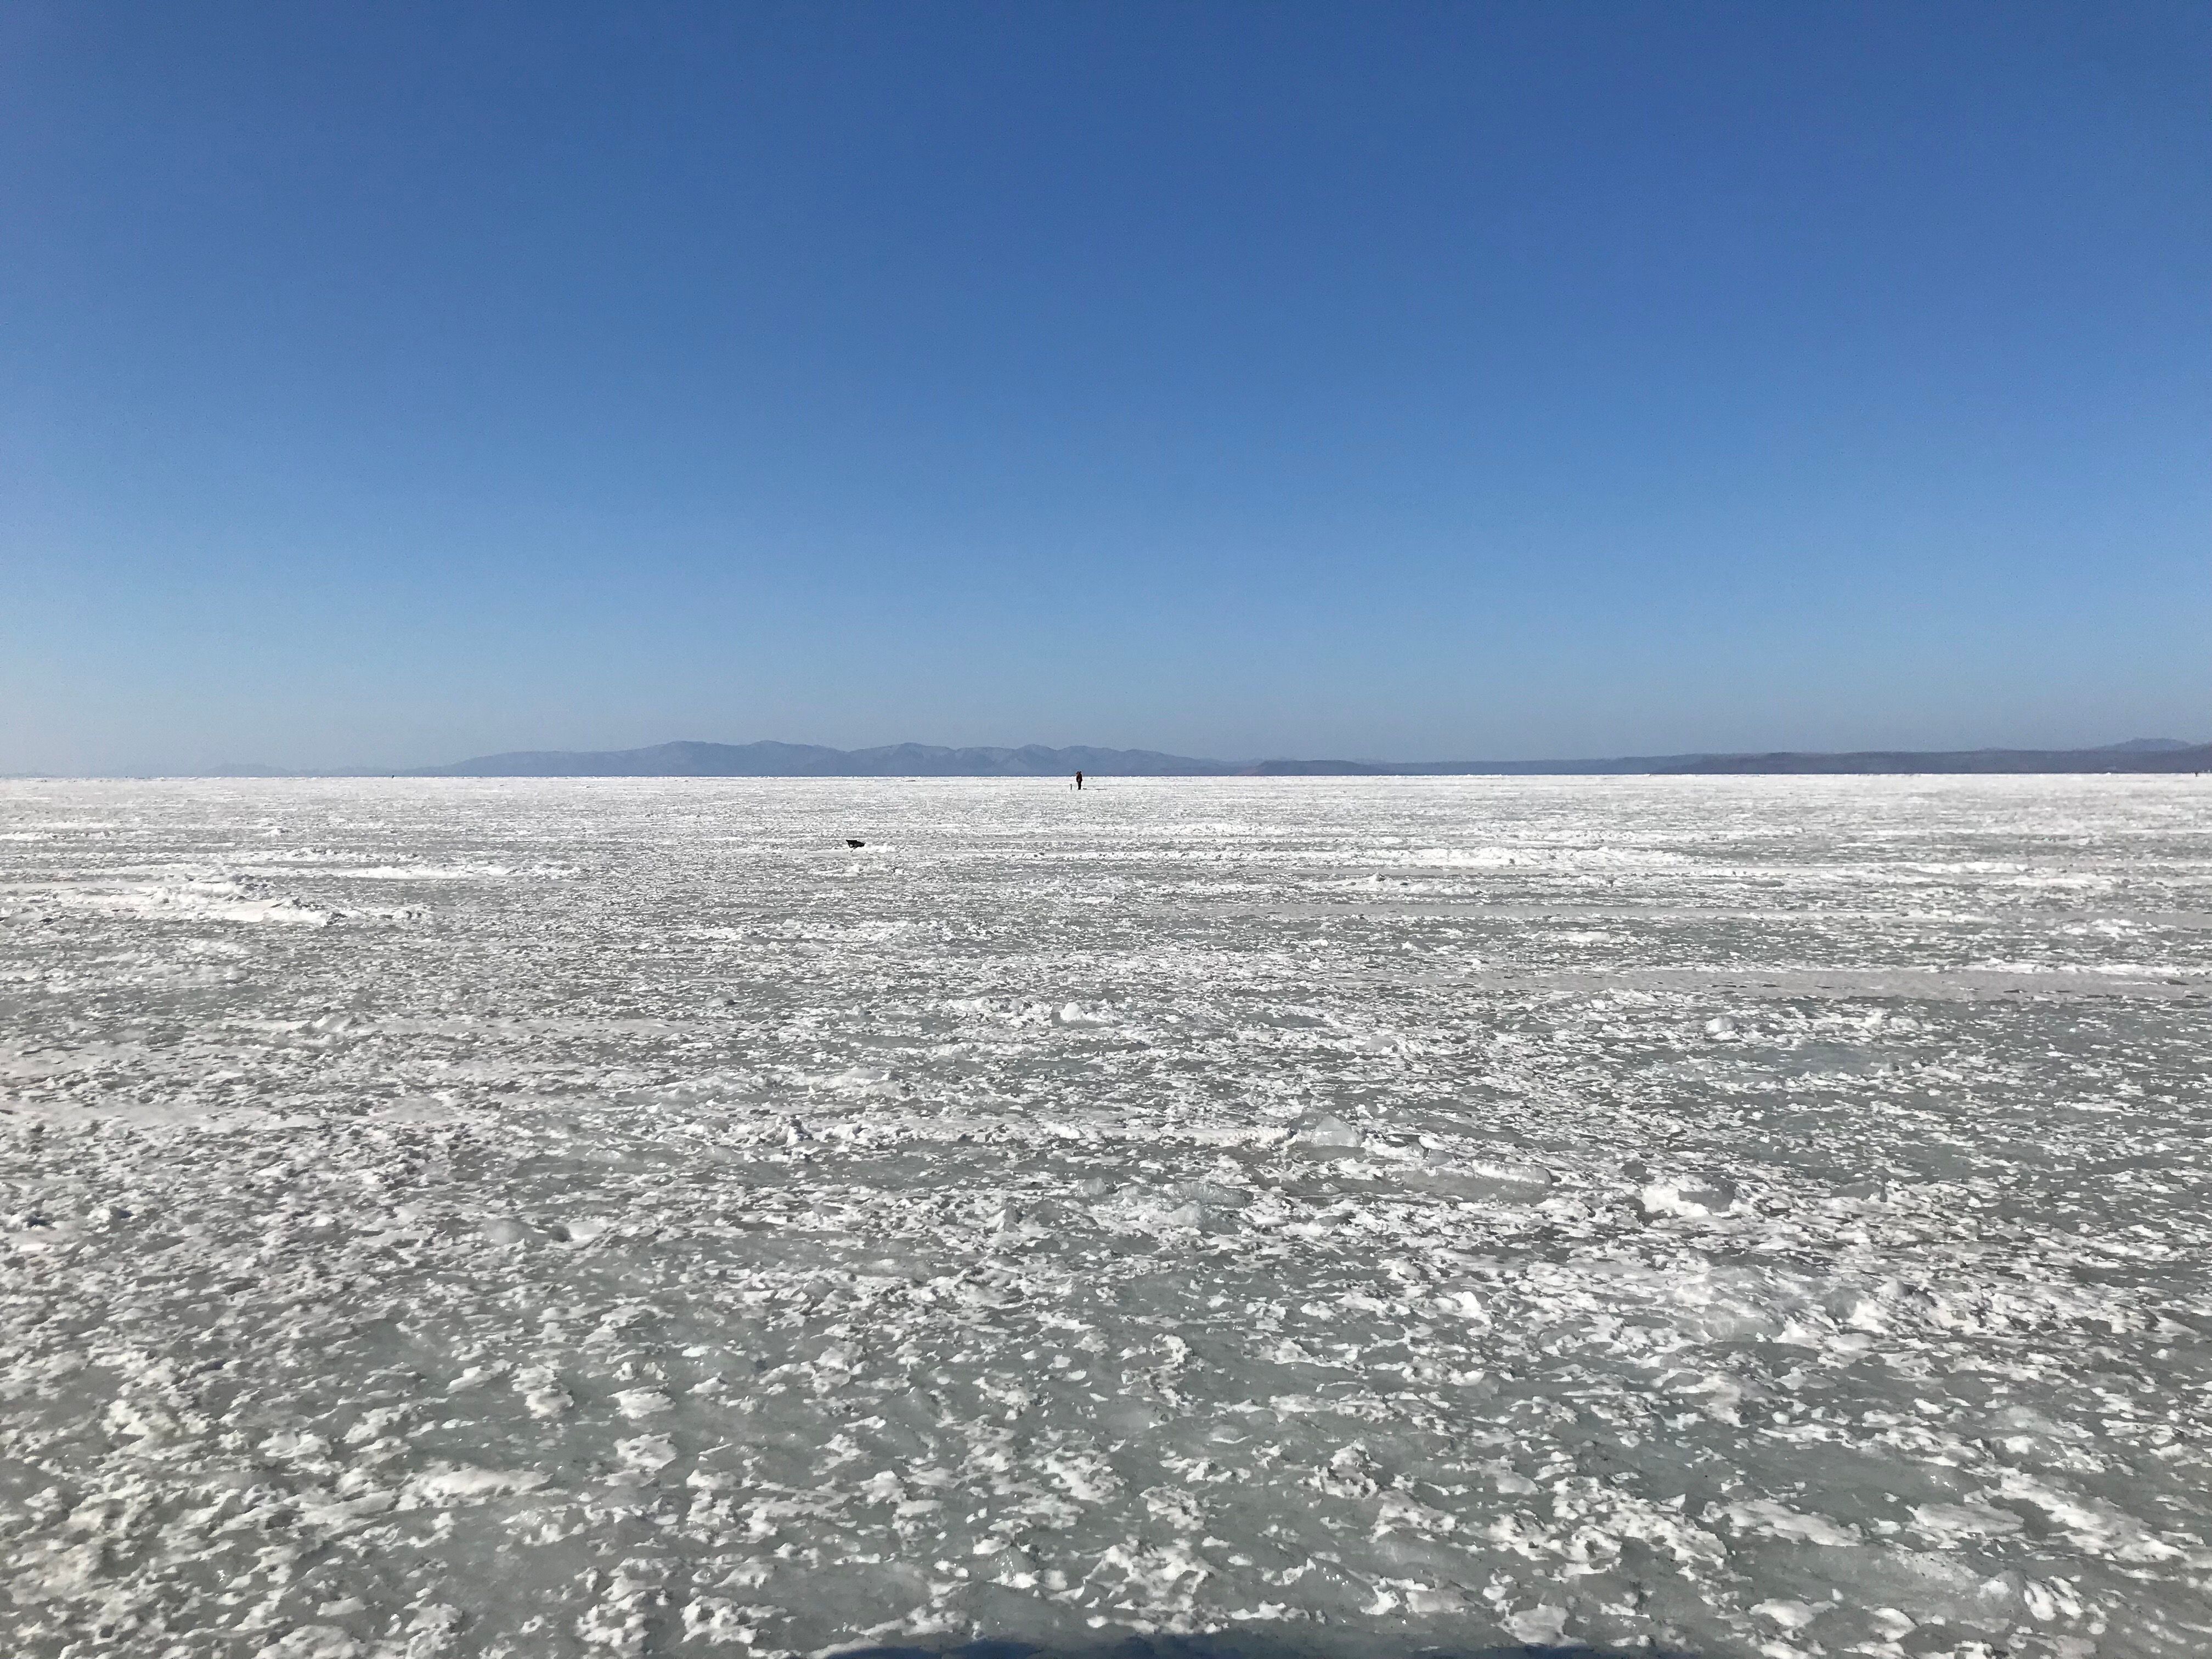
column 384, row 384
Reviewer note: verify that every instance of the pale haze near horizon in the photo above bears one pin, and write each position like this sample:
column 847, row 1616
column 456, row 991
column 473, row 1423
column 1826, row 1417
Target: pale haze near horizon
column 388, row 388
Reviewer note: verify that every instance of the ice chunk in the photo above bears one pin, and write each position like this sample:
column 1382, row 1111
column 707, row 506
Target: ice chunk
column 1683, row 1197
column 1775, row 1519
column 1540, row 1626
column 1788, row 1616
column 648, row 1451
column 1330, row 1131
column 462, row 1484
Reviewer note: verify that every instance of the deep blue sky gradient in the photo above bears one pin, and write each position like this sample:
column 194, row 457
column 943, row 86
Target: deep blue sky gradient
column 384, row 384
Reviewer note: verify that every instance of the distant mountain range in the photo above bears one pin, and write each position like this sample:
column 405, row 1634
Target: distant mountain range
column 918, row 760
column 812, row 760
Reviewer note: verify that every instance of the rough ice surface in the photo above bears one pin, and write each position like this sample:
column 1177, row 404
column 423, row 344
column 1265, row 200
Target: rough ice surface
column 1743, row 1216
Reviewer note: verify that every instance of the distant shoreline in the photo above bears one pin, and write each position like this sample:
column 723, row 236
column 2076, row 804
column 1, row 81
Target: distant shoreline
column 784, row 760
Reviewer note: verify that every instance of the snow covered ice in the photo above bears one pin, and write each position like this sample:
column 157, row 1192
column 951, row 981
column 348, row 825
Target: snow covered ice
column 1741, row 1216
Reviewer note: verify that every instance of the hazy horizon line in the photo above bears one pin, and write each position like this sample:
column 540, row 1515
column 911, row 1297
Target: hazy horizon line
column 246, row 771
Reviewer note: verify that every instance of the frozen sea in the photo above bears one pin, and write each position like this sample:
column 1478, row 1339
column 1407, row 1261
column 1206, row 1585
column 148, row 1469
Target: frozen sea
column 1731, row 1217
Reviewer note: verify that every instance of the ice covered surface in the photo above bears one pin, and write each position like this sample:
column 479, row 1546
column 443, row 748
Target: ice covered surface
column 1762, row 1216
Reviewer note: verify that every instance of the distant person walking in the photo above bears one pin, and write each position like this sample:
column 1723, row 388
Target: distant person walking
column 1078, row 779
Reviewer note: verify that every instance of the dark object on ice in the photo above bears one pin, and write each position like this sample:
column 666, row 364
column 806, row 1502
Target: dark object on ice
column 849, row 842
column 1078, row 779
